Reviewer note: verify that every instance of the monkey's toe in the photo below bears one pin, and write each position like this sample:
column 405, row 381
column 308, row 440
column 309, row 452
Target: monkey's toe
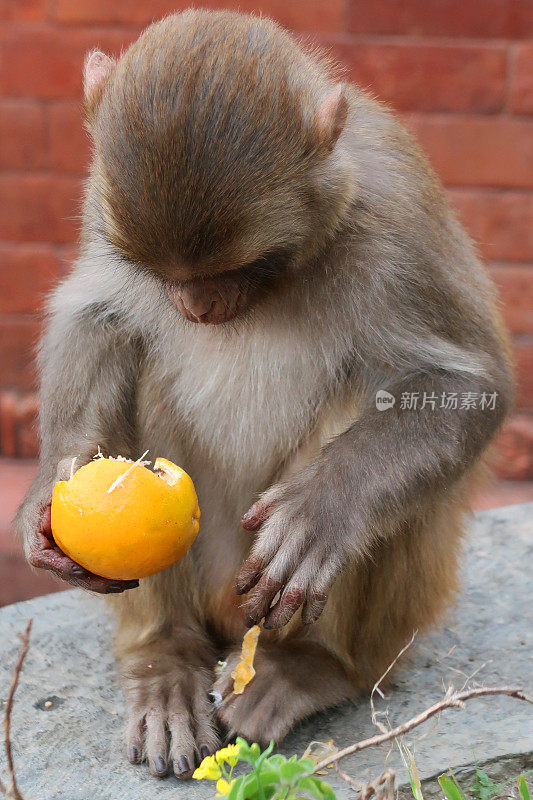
column 170, row 728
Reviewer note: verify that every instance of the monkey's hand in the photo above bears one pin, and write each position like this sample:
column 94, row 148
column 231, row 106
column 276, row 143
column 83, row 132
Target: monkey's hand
column 299, row 550
column 34, row 522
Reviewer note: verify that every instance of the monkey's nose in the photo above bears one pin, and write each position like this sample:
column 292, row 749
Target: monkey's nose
column 195, row 304
column 200, row 313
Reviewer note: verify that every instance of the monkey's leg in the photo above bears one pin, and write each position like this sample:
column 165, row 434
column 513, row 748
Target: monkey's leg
column 373, row 609
column 294, row 678
column 167, row 669
column 404, row 585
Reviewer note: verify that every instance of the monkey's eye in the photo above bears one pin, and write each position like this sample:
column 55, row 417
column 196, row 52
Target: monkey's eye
column 267, row 267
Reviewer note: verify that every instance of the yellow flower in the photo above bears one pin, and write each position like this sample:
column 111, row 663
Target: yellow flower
column 208, row 769
column 229, row 754
column 223, row 787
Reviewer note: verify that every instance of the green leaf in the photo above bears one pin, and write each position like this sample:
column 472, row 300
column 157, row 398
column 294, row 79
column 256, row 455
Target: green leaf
column 450, row 789
column 483, row 787
column 241, row 785
column 245, row 751
column 307, row 764
column 276, row 760
column 267, row 752
column 268, row 777
column 315, row 788
column 523, row 787
column 291, row 771
column 248, row 753
column 327, row 791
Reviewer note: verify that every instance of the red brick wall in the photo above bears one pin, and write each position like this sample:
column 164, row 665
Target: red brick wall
column 460, row 72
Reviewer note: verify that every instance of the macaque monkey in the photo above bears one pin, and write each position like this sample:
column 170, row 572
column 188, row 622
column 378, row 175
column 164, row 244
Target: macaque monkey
column 264, row 250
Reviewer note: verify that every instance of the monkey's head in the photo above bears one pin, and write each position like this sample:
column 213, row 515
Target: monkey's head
column 216, row 157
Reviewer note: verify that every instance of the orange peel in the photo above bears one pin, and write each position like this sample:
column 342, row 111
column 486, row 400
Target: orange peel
column 244, row 671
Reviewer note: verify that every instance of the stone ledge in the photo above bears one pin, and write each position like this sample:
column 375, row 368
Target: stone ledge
column 73, row 749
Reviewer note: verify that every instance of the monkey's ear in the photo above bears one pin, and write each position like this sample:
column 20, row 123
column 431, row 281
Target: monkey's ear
column 97, row 66
column 331, row 117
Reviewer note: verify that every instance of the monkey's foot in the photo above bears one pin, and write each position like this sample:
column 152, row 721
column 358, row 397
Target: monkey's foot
column 293, row 680
column 170, row 717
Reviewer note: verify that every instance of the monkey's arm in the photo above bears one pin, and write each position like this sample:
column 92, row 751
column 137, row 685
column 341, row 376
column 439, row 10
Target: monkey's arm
column 423, row 320
column 363, row 485
column 88, row 368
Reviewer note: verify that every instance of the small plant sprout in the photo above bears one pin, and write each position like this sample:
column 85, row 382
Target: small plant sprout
column 272, row 777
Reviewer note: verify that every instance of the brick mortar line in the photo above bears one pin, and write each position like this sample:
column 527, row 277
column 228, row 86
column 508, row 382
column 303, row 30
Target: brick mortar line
column 52, row 24
column 526, row 266
column 419, row 113
column 494, row 188
column 414, row 42
column 41, row 173
column 22, row 316
column 470, row 115
column 492, row 42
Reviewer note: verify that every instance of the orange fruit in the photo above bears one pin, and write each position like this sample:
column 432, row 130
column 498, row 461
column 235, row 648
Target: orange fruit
column 120, row 520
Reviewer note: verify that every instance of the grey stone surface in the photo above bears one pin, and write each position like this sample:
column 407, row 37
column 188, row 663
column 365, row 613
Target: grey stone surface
column 72, row 749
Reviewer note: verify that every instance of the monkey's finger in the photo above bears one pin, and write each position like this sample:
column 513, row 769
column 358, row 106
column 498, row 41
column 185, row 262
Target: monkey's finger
column 259, row 602
column 256, row 515
column 45, row 520
column 319, row 586
column 47, row 556
column 94, row 583
column 135, row 738
column 313, row 606
column 207, row 740
column 271, row 539
column 249, row 574
column 67, row 570
column 286, row 607
column 315, row 573
column 156, row 742
column 182, row 744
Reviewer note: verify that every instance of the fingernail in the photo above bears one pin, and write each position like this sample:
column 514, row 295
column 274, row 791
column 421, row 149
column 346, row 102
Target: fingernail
column 77, row 571
column 249, row 621
column 240, row 588
column 183, row 765
column 246, row 516
column 134, row 755
column 160, row 765
column 204, row 751
column 115, row 588
column 131, row 584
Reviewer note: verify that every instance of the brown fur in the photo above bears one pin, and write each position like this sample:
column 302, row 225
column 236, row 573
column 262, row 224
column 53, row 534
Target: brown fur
column 262, row 251
column 181, row 117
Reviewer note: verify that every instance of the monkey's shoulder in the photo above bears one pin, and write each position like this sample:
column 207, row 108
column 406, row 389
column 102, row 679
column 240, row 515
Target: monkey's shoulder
column 110, row 294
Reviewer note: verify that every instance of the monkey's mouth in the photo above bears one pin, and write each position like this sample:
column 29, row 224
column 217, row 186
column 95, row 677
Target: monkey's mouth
column 209, row 301
column 219, row 298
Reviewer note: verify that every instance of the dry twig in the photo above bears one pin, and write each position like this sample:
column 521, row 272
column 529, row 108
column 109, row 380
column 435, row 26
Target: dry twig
column 377, row 684
column 13, row 791
column 452, row 699
column 384, row 787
